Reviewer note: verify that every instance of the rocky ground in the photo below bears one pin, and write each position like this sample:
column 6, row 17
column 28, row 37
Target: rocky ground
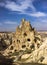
column 26, row 46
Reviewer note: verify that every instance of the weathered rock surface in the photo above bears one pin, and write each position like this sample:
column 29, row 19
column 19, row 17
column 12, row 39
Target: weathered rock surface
column 26, row 45
column 24, row 38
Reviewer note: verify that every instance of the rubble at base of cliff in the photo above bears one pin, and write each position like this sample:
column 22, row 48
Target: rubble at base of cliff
column 25, row 45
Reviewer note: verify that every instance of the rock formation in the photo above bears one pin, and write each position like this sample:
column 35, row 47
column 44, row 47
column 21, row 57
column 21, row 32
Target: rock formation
column 27, row 45
column 24, row 38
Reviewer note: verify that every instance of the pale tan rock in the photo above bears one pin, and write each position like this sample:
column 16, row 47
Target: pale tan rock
column 45, row 61
column 25, row 56
column 24, row 36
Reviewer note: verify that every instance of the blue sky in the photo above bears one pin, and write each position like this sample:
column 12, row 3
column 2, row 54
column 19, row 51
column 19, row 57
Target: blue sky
column 12, row 11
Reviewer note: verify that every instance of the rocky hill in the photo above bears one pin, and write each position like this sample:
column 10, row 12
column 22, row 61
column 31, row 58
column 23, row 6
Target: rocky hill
column 26, row 45
column 24, row 38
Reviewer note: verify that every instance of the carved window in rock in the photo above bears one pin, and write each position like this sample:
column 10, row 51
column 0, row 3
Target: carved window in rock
column 14, row 41
column 32, row 46
column 25, row 34
column 15, row 50
column 18, row 41
column 23, row 46
column 28, row 40
column 35, row 40
column 41, row 59
column 11, row 48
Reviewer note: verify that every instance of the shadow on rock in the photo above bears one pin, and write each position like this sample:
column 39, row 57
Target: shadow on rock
column 5, row 61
